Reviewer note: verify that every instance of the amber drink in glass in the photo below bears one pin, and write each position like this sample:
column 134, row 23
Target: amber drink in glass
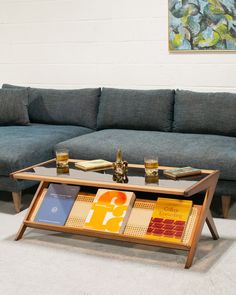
column 151, row 165
column 62, row 161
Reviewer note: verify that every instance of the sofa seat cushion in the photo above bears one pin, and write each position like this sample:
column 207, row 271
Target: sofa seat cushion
column 173, row 149
column 22, row 146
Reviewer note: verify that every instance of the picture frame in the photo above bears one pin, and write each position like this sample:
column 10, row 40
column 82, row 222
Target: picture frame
column 202, row 26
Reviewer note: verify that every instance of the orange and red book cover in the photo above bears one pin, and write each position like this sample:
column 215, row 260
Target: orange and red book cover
column 169, row 220
column 110, row 211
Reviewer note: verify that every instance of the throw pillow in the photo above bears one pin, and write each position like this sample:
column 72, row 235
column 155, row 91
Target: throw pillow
column 14, row 107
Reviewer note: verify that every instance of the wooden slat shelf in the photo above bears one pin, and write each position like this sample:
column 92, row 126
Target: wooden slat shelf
column 106, row 235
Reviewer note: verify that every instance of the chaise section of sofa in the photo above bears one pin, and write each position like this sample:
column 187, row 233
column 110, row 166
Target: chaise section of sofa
column 55, row 116
column 23, row 146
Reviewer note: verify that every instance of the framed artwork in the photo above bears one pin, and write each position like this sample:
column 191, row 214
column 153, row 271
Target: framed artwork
column 202, row 25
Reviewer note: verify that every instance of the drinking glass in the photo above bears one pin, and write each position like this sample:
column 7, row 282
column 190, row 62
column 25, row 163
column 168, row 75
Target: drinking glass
column 62, row 161
column 151, row 165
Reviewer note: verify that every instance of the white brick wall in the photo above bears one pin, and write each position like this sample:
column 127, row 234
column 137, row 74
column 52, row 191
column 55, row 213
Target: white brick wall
column 116, row 43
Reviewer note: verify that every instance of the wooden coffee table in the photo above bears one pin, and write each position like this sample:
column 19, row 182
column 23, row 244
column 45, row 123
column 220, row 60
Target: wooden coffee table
column 146, row 195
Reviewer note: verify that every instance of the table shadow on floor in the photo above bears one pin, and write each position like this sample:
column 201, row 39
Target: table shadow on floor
column 209, row 251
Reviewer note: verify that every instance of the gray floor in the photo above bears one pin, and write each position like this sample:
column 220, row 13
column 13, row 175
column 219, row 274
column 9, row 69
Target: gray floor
column 51, row 263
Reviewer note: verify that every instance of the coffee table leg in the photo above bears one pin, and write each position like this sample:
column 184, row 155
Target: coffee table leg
column 190, row 257
column 214, row 233
column 23, row 227
column 205, row 216
column 211, row 225
column 20, row 232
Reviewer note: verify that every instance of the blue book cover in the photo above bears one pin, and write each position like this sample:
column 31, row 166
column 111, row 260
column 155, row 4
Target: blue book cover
column 57, row 204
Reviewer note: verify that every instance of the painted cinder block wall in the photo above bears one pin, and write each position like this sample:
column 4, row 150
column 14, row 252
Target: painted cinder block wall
column 114, row 43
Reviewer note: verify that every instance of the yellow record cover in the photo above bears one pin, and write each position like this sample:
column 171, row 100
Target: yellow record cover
column 110, row 211
column 169, row 220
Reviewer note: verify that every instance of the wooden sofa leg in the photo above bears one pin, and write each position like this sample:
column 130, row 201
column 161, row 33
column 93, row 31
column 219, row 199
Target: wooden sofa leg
column 225, row 201
column 17, row 200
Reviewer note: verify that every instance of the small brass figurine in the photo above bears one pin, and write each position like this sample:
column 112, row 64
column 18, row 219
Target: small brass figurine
column 120, row 169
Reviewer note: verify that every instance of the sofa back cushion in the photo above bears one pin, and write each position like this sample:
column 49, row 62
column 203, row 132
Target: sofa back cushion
column 136, row 109
column 14, row 107
column 72, row 107
column 210, row 113
column 66, row 107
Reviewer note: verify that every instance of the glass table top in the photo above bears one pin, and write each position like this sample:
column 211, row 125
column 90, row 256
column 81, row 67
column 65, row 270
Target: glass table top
column 135, row 177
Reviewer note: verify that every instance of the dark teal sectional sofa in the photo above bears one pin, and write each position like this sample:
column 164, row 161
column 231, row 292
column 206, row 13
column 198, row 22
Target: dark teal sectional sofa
column 182, row 127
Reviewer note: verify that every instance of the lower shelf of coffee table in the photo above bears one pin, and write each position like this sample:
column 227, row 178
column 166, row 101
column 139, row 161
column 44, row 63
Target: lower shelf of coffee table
column 135, row 230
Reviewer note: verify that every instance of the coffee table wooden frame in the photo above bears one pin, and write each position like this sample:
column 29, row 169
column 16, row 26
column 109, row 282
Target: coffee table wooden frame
column 207, row 184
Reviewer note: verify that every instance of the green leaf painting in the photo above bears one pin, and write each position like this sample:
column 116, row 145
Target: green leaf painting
column 202, row 25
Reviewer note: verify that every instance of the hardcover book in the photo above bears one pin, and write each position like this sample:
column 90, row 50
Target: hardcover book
column 169, row 220
column 110, row 211
column 57, row 204
column 93, row 164
column 181, row 172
